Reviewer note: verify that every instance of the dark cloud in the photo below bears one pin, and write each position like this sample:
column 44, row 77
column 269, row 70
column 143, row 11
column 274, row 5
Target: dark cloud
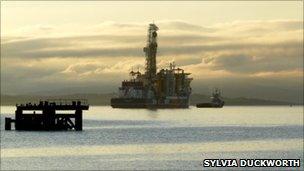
column 46, row 80
column 20, row 73
column 287, row 89
column 85, row 52
column 20, row 47
column 232, row 61
column 39, row 80
column 232, row 47
column 264, row 26
column 48, row 47
column 243, row 63
column 40, row 49
column 188, row 39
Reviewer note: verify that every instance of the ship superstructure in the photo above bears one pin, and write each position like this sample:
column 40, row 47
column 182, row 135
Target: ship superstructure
column 168, row 88
column 216, row 100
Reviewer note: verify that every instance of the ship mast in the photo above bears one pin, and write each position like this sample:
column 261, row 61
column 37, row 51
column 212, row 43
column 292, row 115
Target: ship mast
column 150, row 52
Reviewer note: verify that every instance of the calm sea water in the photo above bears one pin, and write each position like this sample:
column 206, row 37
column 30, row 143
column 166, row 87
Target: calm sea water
column 166, row 139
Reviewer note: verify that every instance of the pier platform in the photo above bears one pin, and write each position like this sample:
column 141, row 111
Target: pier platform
column 51, row 114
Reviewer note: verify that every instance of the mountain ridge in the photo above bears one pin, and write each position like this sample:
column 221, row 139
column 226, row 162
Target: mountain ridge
column 104, row 99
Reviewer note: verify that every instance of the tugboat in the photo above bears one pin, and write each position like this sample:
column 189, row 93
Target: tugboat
column 216, row 101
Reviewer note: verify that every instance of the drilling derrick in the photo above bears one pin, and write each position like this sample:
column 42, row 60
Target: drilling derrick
column 150, row 52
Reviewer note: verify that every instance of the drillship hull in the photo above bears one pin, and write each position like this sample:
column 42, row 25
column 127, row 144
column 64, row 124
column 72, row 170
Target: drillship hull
column 209, row 105
column 128, row 103
column 145, row 103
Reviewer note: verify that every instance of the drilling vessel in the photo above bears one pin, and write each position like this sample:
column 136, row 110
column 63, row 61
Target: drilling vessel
column 167, row 88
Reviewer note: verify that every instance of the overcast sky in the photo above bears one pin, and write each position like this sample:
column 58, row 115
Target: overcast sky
column 249, row 49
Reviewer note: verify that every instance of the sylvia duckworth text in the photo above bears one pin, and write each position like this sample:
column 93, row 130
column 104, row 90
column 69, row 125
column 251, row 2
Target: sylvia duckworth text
column 251, row 163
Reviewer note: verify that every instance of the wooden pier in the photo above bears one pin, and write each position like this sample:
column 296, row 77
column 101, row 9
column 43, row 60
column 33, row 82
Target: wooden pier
column 47, row 115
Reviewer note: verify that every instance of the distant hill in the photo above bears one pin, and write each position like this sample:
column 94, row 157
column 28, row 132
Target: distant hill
column 239, row 101
column 93, row 99
column 104, row 99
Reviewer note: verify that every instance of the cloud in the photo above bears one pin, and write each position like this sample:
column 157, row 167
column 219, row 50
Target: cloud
column 81, row 68
column 244, row 51
column 278, row 35
column 261, row 27
column 244, row 63
column 184, row 26
column 18, row 47
column 103, row 45
column 85, row 52
column 38, row 49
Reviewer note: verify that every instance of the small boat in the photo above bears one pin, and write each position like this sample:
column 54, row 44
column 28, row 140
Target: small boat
column 216, row 101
